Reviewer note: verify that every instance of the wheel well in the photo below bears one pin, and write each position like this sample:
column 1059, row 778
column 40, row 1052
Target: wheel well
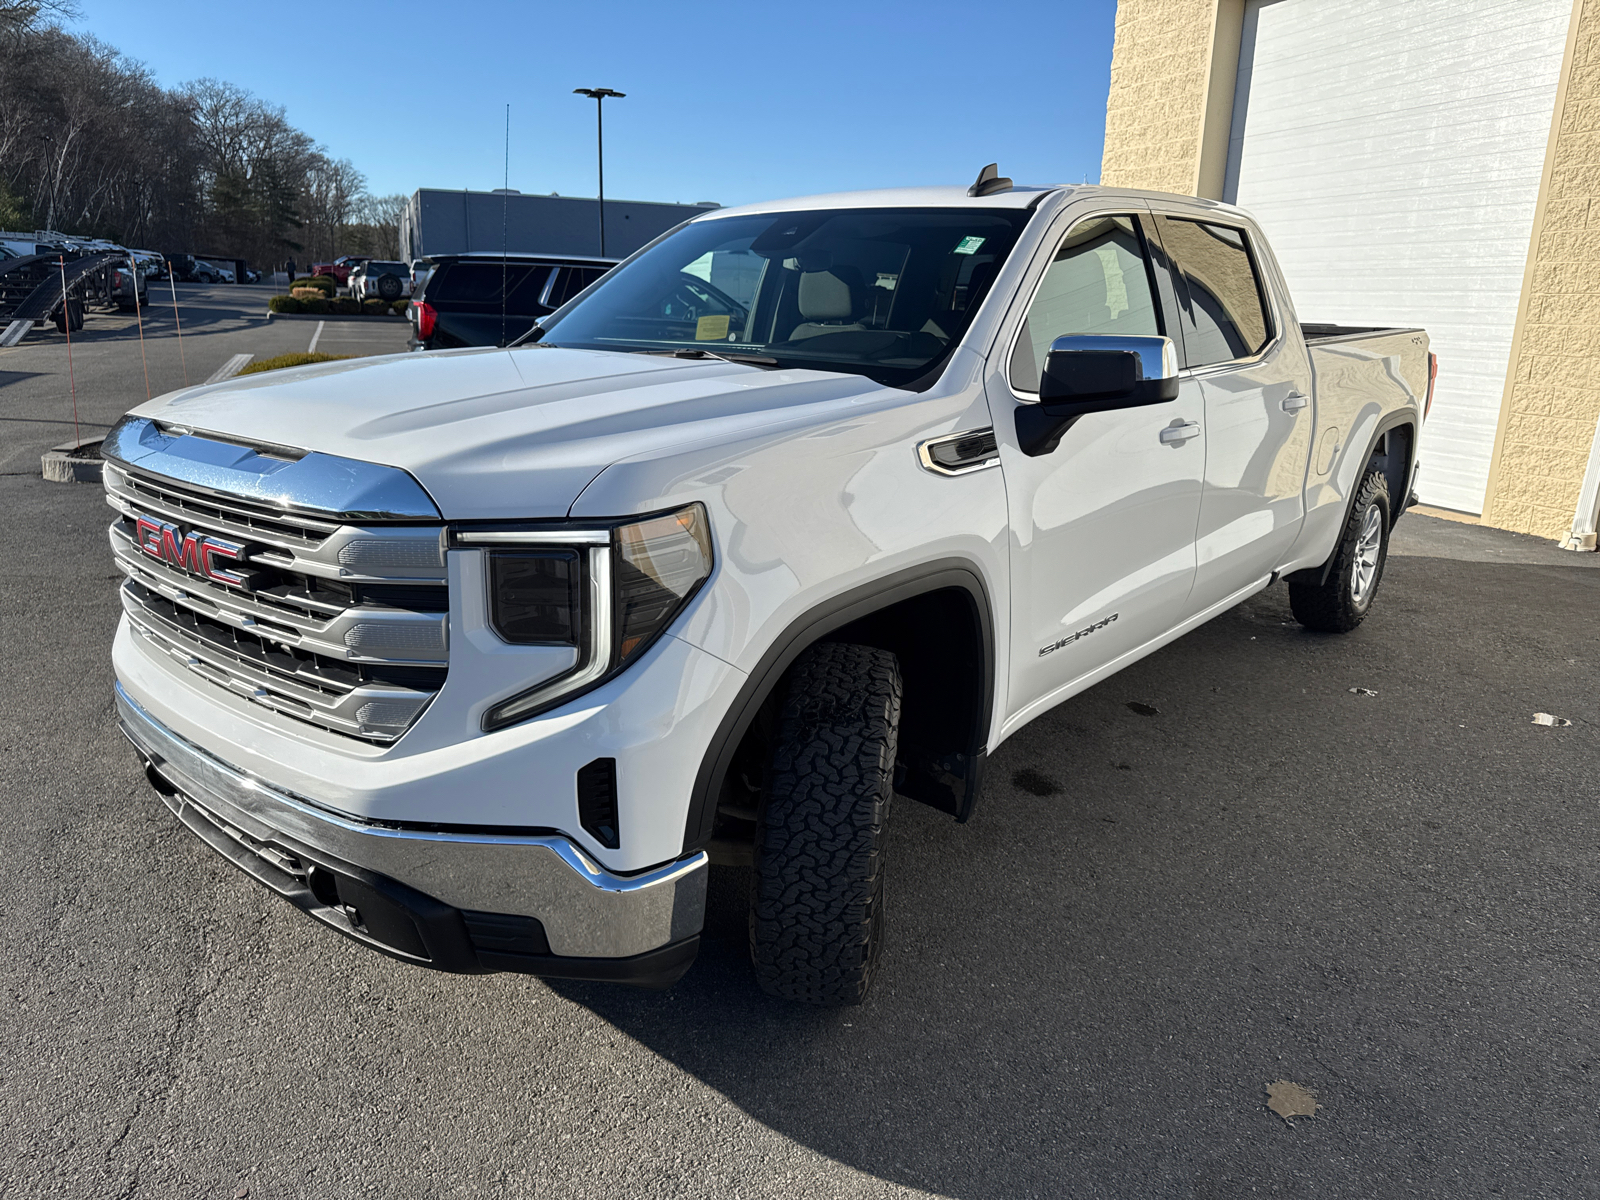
column 943, row 639
column 1392, row 455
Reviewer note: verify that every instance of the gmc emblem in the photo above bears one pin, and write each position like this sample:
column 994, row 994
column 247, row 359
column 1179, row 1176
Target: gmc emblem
column 193, row 552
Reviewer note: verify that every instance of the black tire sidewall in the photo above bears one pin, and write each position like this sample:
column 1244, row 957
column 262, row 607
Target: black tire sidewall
column 1379, row 500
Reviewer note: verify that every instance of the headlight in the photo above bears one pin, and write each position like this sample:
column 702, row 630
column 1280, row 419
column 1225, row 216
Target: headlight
column 534, row 596
column 659, row 564
column 611, row 599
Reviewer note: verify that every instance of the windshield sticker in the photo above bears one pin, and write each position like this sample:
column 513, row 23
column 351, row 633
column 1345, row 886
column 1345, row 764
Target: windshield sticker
column 711, row 329
column 969, row 245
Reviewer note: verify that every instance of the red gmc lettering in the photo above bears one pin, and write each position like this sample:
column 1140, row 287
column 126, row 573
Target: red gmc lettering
column 211, row 551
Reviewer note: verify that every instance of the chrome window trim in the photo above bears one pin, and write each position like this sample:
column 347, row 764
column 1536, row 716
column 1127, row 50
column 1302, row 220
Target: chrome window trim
column 1048, row 247
column 925, row 453
column 549, row 286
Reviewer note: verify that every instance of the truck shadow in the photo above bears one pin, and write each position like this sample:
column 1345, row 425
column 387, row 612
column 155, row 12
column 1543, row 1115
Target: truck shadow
column 1170, row 896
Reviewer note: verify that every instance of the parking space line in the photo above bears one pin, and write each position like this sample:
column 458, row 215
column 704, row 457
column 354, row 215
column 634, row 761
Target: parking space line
column 230, row 368
column 315, row 337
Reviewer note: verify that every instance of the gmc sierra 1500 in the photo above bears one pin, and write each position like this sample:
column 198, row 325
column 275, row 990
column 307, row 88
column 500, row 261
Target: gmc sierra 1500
column 481, row 657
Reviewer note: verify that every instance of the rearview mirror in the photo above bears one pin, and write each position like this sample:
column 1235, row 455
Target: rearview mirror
column 1087, row 373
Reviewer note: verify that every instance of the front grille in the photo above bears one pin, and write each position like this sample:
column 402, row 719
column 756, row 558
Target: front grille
column 342, row 625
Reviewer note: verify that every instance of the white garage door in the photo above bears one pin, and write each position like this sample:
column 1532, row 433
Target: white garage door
column 1392, row 151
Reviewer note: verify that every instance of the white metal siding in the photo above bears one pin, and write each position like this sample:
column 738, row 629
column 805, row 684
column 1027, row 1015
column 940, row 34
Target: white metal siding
column 1392, row 151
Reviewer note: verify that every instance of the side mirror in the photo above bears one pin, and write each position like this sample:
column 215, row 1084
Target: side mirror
column 1087, row 373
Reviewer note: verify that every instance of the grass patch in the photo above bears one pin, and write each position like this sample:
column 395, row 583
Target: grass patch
column 291, row 360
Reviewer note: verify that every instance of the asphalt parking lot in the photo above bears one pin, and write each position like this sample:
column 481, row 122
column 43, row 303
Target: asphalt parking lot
column 1390, row 899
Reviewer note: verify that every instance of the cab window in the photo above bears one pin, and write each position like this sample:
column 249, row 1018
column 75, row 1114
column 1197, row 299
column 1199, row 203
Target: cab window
column 1097, row 282
column 1225, row 313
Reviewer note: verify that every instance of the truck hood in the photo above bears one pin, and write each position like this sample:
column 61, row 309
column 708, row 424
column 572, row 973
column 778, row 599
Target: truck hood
column 509, row 434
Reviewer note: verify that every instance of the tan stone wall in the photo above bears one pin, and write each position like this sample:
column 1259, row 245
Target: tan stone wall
column 1156, row 111
column 1552, row 395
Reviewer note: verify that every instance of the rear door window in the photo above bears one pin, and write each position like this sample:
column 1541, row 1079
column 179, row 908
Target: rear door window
column 1098, row 282
column 1225, row 314
column 570, row 282
column 479, row 284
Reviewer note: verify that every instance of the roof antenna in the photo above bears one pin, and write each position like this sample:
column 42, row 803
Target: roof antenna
column 989, row 182
column 505, row 205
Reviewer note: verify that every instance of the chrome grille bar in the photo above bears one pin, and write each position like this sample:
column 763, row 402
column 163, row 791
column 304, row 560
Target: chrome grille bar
column 349, row 710
column 341, row 633
column 325, row 617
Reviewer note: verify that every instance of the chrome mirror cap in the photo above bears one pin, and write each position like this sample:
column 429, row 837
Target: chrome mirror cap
column 1158, row 356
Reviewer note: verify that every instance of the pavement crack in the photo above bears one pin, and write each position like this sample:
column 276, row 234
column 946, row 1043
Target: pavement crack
column 163, row 1077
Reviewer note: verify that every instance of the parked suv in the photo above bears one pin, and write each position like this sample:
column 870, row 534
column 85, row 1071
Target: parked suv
column 482, row 657
column 377, row 279
column 461, row 304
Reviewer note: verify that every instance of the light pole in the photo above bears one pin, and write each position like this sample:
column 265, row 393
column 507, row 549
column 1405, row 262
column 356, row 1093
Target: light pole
column 599, row 95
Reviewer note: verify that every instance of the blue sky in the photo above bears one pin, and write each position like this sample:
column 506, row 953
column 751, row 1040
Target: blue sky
column 726, row 102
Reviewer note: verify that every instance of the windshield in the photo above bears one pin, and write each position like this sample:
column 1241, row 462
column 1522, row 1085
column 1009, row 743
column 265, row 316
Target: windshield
column 881, row 292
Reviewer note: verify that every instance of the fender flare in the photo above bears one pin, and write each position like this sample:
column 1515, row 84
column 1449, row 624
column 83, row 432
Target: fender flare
column 831, row 614
column 1319, row 575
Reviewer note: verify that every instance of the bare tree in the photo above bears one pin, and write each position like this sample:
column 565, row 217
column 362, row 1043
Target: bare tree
column 91, row 144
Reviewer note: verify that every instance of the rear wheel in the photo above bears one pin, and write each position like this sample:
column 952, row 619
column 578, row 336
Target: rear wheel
column 816, row 915
column 1343, row 599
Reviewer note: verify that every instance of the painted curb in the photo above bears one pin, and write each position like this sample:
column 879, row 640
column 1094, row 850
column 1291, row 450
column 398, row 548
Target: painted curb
column 60, row 467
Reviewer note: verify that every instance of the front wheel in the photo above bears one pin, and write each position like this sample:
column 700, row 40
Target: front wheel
column 1341, row 602
column 816, row 913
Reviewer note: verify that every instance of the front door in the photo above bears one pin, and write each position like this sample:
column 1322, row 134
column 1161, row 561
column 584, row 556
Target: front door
column 1102, row 527
column 1256, row 376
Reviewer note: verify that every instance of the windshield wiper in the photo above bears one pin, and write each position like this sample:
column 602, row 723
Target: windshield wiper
column 751, row 360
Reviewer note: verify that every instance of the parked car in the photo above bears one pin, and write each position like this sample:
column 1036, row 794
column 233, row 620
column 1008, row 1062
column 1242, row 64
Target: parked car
column 419, row 273
column 200, row 271
column 339, row 268
column 377, row 279
column 128, row 288
column 807, row 504
column 460, row 303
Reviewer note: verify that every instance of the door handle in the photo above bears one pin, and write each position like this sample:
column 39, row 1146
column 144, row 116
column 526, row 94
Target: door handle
column 1295, row 401
column 1174, row 435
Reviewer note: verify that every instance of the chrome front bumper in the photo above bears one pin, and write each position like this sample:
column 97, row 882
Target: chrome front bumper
column 586, row 912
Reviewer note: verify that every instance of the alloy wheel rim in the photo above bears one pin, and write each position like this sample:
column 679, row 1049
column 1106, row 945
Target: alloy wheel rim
column 1364, row 576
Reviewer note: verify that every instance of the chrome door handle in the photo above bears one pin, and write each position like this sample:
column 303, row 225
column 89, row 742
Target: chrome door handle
column 1174, row 435
column 1295, row 401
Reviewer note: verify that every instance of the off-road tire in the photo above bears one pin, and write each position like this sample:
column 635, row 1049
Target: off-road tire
column 816, row 909
column 1338, row 605
column 389, row 288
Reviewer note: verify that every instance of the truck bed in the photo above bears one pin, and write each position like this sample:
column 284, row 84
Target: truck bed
column 1321, row 335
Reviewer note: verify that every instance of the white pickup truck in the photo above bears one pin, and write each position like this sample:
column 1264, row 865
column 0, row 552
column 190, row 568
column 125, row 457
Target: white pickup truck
column 483, row 657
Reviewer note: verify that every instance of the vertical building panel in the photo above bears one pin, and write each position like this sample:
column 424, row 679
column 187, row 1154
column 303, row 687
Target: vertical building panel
column 1393, row 153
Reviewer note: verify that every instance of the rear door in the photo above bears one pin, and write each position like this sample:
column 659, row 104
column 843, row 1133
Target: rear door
column 1102, row 527
column 1246, row 352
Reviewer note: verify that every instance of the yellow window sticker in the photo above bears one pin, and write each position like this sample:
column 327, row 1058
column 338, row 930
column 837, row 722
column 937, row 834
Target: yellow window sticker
column 711, row 329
